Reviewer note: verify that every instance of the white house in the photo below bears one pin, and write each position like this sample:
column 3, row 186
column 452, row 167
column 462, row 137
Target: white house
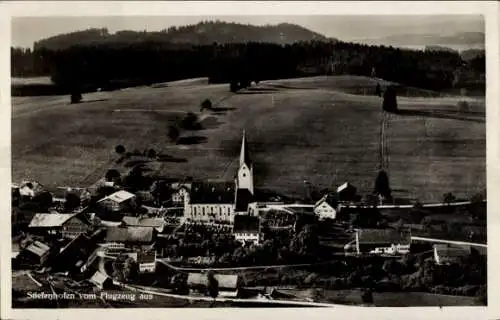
column 118, row 201
column 246, row 228
column 326, row 208
column 146, row 261
column 210, row 201
column 383, row 241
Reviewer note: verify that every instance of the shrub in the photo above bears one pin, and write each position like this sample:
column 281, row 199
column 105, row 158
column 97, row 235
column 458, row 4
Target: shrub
column 173, row 133
column 390, row 103
column 120, row 149
column 206, row 104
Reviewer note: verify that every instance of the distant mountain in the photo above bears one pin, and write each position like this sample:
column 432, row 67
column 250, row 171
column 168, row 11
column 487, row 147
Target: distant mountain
column 459, row 41
column 203, row 33
column 471, row 54
column 439, row 48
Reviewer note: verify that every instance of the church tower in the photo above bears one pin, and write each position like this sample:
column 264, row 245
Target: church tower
column 245, row 170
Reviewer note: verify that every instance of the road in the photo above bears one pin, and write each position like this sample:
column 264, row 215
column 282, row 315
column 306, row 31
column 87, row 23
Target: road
column 257, row 301
column 472, row 244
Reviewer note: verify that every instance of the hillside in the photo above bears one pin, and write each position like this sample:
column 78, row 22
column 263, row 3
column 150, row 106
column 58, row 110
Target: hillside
column 203, row 33
column 311, row 129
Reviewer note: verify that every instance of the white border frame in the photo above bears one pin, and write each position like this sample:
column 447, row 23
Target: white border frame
column 489, row 9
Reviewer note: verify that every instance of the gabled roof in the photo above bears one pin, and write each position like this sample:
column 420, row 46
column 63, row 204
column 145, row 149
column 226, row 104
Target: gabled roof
column 212, row 192
column 38, row 248
column 345, row 186
column 246, row 223
column 99, row 278
column 119, row 196
column 383, row 236
column 446, row 251
column 157, row 223
column 244, row 152
column 50, row 220
column 243, row 199
column 328, row 199
column 130, row 234
column 226, row 281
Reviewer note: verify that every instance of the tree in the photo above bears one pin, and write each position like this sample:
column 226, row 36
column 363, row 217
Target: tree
column 151, row 153
column 112, row 175
column 72, row 201
column 120, row 149
column 448, row 198
column 173, row 133
column 213, row 285
column 367, row 297
column 382, row 185
column 130, row 270
column 378, row 90
column 206, row 104
column 44, row 200
column 76, row 97
column 390, row 103
column 233, row 86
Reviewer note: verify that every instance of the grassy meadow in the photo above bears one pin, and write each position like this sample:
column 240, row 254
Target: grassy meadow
column 320, row 129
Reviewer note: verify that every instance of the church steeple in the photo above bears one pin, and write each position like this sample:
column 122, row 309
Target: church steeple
column 245, row 170
column 244, row 154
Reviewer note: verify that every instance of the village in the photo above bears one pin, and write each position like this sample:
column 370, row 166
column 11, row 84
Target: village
column 181, row 237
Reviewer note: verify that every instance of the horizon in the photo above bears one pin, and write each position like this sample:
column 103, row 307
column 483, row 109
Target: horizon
column 352, row 28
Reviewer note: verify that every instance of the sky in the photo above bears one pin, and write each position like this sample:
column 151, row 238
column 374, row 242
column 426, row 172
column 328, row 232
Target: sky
column 27, row 30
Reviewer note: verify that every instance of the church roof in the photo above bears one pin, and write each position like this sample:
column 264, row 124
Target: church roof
column 243, row 198
column 245, row 153
column 212, row 192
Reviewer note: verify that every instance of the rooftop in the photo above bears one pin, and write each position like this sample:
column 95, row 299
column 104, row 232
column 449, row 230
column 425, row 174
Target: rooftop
column 447, row 251
column 345, row 186
column 119, row 196
column 38, row 248
column 130, row 234
column 49, row 220
column 383, row 236
column 144, row 222
column 212, row 192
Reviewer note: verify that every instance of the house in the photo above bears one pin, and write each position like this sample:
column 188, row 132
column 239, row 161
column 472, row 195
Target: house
column 36, row 254
column 120, row 201
column 382, row 241
column 346, row 192
column 228, row 284
column 157, row 223
column 246, row 228
column 67, row 225
column 181, row 191
column 76, row 256
column 132, row 237
column 146, row 261
column 210, row 201
column 101, row 281
column 326, row 207
column 445, row 254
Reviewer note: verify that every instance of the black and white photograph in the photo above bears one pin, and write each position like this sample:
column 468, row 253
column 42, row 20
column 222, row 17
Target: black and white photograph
column 248, row 161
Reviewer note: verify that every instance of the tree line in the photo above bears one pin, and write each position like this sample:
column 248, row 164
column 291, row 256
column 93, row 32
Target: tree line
column 107, row 66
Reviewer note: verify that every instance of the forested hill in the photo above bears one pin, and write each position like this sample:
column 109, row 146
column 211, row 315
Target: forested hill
column 203, row 33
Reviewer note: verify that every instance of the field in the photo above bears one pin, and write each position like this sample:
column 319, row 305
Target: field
column 313, row 129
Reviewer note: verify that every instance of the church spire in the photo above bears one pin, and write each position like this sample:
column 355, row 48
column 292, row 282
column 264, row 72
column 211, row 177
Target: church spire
column 244, row 154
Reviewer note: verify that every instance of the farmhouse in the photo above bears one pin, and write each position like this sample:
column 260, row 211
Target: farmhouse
column 37, row 253
column 446, row 254
column 130, row 237
column 382, row 241
column 66, row 225
column 228, row 284
column 120, row 201
column 157, row 223
column 247, row 229
column 326, row 208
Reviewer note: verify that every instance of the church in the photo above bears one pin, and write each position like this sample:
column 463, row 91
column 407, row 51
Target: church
column 220, row 201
